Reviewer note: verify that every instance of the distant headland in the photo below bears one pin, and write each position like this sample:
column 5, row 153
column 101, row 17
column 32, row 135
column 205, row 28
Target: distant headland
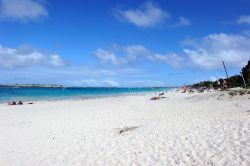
column 32, row 85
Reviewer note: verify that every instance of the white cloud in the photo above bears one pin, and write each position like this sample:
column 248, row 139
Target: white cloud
column 86, row 83
column 147, row 83
column 56, row 61
column 182, row 21
column 95, row 83
column 108, row 56
column 133, row 53
column 212, row 49
column 111, row 83
column 170, row 58
column 27, row 56
column 23, row 10
column 206, row 53
column 147, row 15
column 245, row 19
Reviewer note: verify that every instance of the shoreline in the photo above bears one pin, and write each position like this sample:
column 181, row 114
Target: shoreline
column 69, row 95
column 75, row 98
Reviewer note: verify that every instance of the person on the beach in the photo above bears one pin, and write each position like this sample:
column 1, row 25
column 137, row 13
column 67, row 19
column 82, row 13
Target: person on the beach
column 225, row 84
column 20, row 103
column 12, row 103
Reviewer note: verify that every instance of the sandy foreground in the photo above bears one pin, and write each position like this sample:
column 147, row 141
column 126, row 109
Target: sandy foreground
column 181, row 129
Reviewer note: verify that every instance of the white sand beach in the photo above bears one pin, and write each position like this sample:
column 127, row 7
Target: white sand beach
column 181, row 129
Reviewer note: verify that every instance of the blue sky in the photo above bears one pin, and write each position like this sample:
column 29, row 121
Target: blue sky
column 122, row 43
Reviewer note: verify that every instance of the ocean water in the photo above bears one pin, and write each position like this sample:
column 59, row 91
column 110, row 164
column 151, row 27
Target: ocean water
column 33, row 94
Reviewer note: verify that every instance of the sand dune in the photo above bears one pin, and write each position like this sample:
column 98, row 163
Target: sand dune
column 181, row 129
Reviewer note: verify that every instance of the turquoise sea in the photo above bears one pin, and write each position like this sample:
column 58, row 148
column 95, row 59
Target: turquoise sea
column 34, row 93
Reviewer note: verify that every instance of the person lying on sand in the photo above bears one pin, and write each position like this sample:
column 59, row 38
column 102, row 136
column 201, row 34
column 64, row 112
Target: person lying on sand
column 161, row 94
column 12, row 103
column 155, row 98
column 20, row 103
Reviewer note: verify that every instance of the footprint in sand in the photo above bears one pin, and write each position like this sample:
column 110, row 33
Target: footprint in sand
column 24, row 124
column 126, row 129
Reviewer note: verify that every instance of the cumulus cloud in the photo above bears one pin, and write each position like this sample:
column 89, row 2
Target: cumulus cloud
column 107, row 56
column 212, row 49
column 147, row 15
column 171, row 58
column 111, row 83
column 133, row 53
column 206, row 53
column 245, row 19
column 86, row 83
column 56, row 61
column 95, row 83
column 24, row 10
column 148, row 83
column 182, row 21
column 27, row 56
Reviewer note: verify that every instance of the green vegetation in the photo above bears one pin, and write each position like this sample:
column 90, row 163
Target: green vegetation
column 233, row 81
column 246, row 73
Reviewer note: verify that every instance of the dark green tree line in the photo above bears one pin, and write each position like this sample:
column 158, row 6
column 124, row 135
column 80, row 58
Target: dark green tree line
column 233, row 81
